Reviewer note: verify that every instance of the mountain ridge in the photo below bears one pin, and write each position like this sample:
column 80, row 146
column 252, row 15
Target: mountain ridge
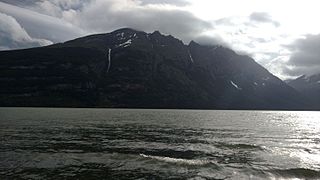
column 130, row 68
column 309, row 87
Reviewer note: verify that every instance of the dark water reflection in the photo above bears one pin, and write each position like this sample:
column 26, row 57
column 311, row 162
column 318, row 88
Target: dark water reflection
column 42, row 143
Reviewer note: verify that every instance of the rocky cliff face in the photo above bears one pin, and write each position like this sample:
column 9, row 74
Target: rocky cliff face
column 128, row 68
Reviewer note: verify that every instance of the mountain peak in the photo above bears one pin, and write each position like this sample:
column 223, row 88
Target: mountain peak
column 125, row 30
column 193, row 43
column 156, row 33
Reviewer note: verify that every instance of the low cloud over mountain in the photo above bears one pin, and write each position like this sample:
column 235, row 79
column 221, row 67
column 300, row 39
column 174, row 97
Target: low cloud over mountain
column 13, row 36
column 259, row 29
column 306, row 56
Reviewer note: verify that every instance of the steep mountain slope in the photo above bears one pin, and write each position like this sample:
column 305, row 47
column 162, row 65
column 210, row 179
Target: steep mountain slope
column 128, row 68
column 309, row 86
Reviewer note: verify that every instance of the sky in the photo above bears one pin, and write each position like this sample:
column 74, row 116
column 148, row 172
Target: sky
column 281, row 35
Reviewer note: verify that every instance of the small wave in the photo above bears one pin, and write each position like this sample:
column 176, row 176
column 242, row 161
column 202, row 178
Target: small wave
column 297, row 172
column 239, row 146
column 195, row 162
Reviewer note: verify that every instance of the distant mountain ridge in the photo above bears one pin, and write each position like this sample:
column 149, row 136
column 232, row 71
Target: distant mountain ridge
column 309, row 86
column 129, row 68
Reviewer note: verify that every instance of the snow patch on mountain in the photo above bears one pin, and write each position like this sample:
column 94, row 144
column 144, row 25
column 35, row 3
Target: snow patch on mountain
column 121, row 36
column 266, row 78
column 235, row 85
column 125, row 44
column 191, row 59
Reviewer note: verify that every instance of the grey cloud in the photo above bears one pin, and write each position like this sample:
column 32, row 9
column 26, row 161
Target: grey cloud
column 63, row 4
column 171, row 2
column 58, row 8
column 65, row 20
column 210, row 40
column 227, row 21
column 66, row 5
column 104, row 16
column 20, row 3
column 306, row 56
column 13, row 36
column 295, row 71
column 262, row 17
column 41, row 26
column 260, row 40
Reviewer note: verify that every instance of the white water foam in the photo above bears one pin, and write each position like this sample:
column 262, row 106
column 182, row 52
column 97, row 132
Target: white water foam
column 177, row 160
column 109, row 59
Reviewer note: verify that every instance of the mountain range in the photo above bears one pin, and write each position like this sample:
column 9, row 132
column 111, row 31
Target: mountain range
column 127, row 68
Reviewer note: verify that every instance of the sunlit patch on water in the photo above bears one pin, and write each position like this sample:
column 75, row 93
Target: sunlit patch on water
column 301, row 140
column 40, row 143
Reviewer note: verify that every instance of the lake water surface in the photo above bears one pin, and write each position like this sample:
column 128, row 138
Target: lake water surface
column 48, row 143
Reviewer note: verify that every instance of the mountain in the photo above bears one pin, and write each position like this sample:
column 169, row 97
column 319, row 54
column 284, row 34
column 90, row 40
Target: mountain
column 309, row 86
column 129, row 68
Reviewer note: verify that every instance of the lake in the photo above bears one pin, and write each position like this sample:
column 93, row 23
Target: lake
column 67, row 143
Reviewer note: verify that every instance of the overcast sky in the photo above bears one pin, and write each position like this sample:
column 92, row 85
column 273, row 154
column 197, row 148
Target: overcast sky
column 281, row 35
